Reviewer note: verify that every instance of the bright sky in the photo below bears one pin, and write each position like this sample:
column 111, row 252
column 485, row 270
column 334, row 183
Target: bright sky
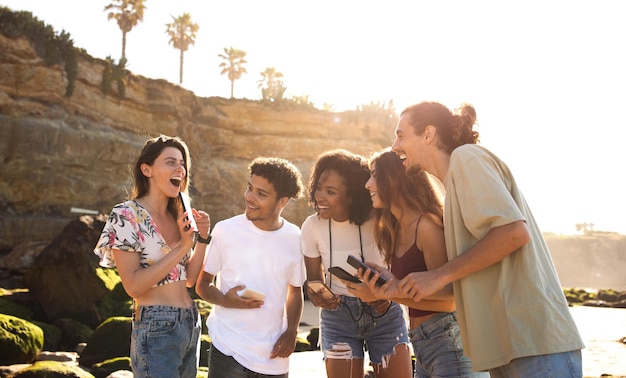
column 547, row 78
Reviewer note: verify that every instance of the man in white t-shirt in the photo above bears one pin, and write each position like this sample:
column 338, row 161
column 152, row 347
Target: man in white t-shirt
column 258, row 263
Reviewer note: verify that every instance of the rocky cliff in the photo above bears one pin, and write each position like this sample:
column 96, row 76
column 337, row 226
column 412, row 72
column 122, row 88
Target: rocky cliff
column 60, row 152
column 591, row 261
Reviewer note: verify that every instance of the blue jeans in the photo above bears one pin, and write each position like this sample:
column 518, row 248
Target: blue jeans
column 557, row 365
column 438, row 349
column 165, row 342
column 223, row 366
column 359, row 325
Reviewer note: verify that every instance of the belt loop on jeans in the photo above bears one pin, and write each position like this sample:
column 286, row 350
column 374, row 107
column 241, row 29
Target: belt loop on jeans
column 137, row 313
column 134, row 310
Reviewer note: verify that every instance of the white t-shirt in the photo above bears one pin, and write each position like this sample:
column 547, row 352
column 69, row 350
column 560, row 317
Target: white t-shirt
column 266, row 261
column 516, row 307
column 345, row 241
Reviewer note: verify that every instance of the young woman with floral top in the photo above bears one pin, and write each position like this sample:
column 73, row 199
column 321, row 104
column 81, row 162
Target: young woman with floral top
column 158, row 257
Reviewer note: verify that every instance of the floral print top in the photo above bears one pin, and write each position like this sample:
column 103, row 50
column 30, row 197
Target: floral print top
column 130, row 228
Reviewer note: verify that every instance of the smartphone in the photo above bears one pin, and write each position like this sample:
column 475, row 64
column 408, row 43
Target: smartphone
column 341, row 273
column 249, row 293
column 316, row 286
column 356, row 263
column 184, row 198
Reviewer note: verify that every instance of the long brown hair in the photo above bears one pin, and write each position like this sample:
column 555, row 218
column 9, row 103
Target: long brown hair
column 454, row 129
column 151, row 150
column 412, row 190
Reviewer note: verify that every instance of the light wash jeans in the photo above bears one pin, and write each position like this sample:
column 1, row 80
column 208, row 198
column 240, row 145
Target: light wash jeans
column 438, row 349
column 557, row 365
column 165, row 342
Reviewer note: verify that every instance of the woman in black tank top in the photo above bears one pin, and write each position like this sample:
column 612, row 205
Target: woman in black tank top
column 409, row 232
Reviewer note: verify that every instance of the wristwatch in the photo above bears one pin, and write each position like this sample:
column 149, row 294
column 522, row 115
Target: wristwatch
column 203, row 240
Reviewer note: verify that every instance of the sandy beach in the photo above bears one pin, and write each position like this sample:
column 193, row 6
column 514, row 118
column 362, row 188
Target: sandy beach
column 600, row 328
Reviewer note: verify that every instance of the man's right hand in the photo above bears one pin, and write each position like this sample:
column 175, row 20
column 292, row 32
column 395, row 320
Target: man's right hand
column 233, row 300
column 419, row 285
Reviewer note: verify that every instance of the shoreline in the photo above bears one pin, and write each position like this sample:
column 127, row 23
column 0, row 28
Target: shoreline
column 600, row 328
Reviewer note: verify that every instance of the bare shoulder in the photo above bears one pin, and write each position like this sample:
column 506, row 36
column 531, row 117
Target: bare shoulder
column 430, row 234
column 428, row 224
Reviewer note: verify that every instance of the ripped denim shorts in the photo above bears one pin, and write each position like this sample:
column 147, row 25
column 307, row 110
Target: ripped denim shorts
column 355, row 326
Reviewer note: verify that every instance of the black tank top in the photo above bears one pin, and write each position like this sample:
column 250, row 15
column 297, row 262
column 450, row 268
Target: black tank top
column 411, row 261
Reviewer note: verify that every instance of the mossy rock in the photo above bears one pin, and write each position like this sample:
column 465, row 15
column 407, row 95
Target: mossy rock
column 204, row 308
column 609, row 295
column 203, row 305
column 104, row 368
column 116, row 302
column 51, row 335
column 302, row 345
column 313, row 338
column 20, row 340
column 203, row 372
column 8, row 307
column 620, row 304
column 110, row 307
column 52, row 369
column 72, row 333
column 110, row 339
column 192, row 293
column 575, row 296
column 597, row 303
column 109, row 277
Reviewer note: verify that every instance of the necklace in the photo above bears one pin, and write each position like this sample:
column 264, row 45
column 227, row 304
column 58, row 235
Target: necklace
column 365, row 307
column 330, row 237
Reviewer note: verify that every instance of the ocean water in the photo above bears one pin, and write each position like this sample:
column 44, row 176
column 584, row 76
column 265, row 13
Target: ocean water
column 601, row 330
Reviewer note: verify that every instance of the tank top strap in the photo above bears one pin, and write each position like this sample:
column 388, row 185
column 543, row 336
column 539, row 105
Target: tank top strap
column 416, row 227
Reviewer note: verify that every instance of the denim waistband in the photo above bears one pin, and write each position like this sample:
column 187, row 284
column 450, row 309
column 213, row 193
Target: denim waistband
column 180, row 313
column 433, row 323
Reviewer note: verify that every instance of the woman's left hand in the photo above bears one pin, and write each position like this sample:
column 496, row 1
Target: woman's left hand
column 387, row 291
column 203, row 221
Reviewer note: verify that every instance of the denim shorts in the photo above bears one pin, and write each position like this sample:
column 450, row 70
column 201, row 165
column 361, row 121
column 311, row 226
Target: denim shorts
column 354, row 326
column 565, row 365
column 165, row 342
column 223, row 366
column 438, row 349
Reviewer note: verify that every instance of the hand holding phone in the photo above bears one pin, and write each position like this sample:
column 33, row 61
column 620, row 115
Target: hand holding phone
column 353, row 261
column 250, row 293
column 184, row 198
column 317, row 286
column 341, row 273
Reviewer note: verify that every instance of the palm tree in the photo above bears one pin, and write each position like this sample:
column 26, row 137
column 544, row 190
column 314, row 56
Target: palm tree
column 182, row 34
column 234, row 60
column 272, row 86
column 127, row 13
